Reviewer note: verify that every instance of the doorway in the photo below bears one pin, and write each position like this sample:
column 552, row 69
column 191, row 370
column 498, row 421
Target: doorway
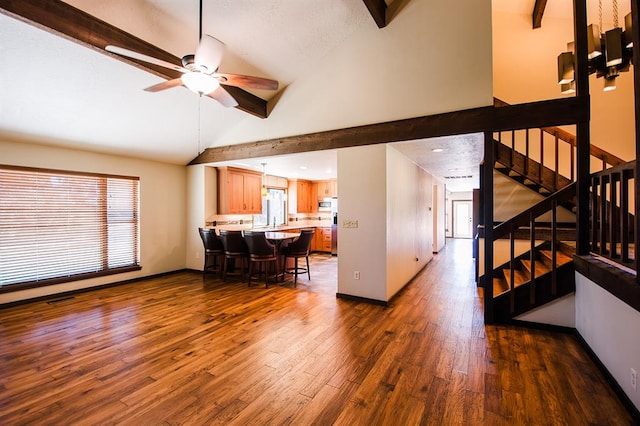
column 462, row 219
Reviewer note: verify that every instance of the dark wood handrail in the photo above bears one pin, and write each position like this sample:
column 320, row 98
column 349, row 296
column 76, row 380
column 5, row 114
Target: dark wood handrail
column 536, row 210
column 569, row 138
column 629, row 165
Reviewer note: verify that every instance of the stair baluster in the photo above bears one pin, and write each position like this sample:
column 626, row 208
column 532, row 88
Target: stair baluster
column 532, row 254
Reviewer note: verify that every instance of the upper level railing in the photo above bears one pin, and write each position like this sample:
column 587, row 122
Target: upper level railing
column 612, row 212
column 553, row 148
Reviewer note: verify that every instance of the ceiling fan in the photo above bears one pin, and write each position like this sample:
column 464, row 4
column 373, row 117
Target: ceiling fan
column 200, row 71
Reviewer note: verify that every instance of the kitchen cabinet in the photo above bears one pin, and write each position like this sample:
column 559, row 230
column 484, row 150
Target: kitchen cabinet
column 271, row 181
column 327, row 189
column 322, row 240
column 239, row 191
column 300, row 197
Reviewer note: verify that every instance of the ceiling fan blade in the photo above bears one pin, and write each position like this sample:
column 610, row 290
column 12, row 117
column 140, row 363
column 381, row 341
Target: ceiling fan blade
column 223, row 97
column 209, row 54
column 164, row 85
column 246, row 81
column 142, row 57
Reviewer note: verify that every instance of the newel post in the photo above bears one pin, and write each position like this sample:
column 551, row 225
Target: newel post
column 583, row 168
column 635, row 17
column 487, row 208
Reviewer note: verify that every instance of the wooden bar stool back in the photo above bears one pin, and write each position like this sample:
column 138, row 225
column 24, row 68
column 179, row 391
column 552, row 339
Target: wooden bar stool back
column 234, row 248
column 297, row 249
column 212, row 250
column 263, row 253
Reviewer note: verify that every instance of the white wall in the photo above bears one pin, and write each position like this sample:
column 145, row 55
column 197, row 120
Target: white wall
column 378, row 75
column 362, row 189
column 611, row 329
column 409, row 220
column 439, row 214
column 196, row 214
column 561, row 312
column 390, row 197
column 162, row 207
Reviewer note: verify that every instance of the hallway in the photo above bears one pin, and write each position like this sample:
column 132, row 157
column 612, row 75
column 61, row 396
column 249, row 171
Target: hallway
column 182, row 350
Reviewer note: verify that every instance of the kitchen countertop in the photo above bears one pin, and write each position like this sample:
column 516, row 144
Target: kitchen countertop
column 281, row 228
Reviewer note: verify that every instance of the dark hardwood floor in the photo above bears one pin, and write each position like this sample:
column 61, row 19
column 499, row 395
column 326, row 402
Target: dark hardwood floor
column 186, row 350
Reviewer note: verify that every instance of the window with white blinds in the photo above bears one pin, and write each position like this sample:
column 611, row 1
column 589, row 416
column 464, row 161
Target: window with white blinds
column 58, row 226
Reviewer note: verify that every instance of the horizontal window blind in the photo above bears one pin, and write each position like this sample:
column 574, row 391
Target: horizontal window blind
column 58, row 226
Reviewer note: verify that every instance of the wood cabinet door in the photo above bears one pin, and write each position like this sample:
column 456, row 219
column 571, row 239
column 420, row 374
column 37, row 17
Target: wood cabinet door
column 303, row 196
column 318, row 239
column 322, row 190
column 252, row 188
column 235, row 192
column 326, row 189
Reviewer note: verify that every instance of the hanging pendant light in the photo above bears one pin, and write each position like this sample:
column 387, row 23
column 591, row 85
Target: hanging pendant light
column 608, row 54
column 565, row 68
column 613, row 47
column 263, row 191
column 628, row 32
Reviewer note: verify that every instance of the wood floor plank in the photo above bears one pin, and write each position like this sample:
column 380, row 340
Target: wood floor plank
column 188, row 349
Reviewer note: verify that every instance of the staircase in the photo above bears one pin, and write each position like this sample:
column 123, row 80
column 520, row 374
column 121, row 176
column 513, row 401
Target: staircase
column 533, row 274
column 545, row 271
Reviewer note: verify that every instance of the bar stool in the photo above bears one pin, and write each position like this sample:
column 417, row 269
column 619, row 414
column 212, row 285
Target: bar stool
column 212, row 249
column 297, row 249
column 262, row 252
column 234, row 248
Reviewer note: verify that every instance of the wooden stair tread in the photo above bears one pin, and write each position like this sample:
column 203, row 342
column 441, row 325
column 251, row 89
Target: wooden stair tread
column 541, row 269
column 561, row 258
column 519, row 277
column 499, row 286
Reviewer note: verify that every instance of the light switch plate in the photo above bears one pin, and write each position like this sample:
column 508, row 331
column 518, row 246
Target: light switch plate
column 349, row 223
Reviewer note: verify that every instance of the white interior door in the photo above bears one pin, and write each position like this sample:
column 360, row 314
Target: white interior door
column 462, row 219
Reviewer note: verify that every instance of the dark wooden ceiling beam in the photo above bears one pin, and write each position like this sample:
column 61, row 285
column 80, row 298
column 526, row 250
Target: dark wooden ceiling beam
column 73, row 24
column 538, row 114
column 378, row 10
column 538, row 12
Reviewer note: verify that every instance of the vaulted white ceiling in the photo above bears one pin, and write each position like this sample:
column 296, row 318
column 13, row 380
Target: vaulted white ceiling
column 65, row 94
column 57, row 92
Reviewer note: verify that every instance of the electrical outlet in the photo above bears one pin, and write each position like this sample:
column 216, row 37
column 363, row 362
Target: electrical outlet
column 634, row 379
column 356, row 275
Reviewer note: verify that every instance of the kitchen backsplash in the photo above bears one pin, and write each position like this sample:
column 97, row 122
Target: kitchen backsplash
column 303, row 219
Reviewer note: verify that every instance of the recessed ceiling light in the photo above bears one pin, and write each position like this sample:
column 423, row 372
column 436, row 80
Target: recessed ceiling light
column 437, row 150
column 303, row 167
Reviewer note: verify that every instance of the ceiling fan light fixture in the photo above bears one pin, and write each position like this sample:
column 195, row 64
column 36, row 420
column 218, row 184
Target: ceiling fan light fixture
column 200, row 83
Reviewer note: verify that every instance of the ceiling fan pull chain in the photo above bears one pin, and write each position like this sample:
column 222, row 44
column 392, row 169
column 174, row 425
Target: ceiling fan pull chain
column 200, row 15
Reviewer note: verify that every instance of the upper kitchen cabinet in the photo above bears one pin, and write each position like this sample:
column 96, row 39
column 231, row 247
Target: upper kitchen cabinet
column 239, row 191
column 327, row 188
column 302, row 196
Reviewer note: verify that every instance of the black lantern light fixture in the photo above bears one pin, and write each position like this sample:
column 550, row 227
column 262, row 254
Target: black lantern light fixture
column 608, row 53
